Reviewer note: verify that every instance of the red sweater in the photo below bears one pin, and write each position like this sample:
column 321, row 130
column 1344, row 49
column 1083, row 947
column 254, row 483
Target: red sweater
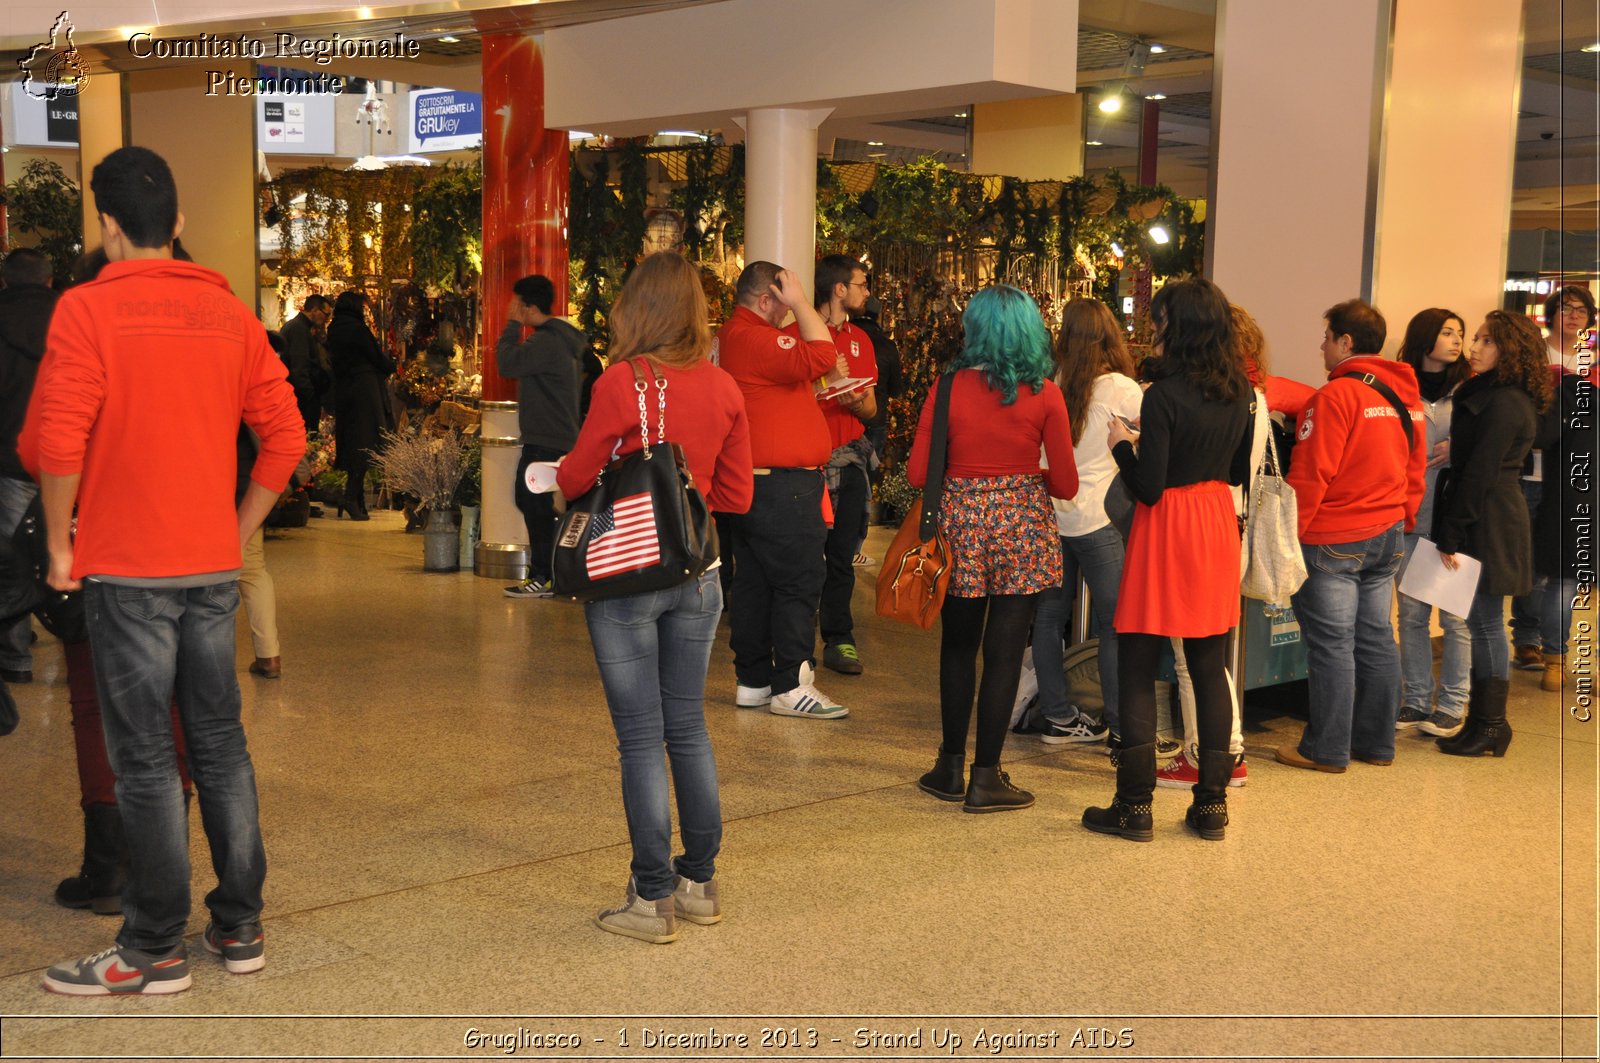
column 1351, row 474
column 147, row 373
column 845, row 427
column 705, row 416
column 988, row 439
column 776, row 374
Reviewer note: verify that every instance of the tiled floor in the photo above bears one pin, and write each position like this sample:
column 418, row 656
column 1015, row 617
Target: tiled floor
column 439, row 796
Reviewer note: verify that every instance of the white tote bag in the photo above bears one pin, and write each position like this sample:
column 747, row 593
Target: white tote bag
column 1275, row 568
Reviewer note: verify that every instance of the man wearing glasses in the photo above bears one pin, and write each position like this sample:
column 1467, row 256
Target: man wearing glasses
column 841, row 292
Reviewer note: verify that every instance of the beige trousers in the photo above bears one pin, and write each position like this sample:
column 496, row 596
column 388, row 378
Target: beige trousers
column 260, row 600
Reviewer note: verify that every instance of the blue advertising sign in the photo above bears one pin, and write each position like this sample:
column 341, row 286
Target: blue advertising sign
column 445, row 120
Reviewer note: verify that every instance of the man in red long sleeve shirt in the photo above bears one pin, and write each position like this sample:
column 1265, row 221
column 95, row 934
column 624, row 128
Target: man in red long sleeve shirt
column 1358, row 475
column 778, row 544
column 148, row 372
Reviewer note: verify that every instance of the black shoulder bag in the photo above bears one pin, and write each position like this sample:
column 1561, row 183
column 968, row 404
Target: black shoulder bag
column 643, row 526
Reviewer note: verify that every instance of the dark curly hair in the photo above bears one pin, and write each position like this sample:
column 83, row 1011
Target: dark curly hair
column 1523, row 359
column 1194, row 326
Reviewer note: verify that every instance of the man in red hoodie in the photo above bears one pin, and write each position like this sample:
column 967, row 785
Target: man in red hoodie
column 1357, row 475
column 148, row 372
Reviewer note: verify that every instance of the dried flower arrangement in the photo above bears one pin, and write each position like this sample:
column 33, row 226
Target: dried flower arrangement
column 429, row 467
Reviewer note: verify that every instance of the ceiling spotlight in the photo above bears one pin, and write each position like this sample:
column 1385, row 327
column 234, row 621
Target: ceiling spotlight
column 1159, row 235
column 1157, row 49
column 1116, row 249
column 874, row 143
column 1156, row 96
column 449, row 40
column 1591, row 48
column 1111, row 104
column 1094, row 143
column 578, row 134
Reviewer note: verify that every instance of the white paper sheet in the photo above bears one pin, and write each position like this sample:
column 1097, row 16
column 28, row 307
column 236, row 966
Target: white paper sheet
column 1427, row 580
column 832, row 389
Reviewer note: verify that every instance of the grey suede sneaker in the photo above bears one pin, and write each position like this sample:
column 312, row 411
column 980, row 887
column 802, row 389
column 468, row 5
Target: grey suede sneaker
column 697, row 901
column 652, row 921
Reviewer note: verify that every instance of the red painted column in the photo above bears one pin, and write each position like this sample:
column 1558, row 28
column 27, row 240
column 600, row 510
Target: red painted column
column 525, row 189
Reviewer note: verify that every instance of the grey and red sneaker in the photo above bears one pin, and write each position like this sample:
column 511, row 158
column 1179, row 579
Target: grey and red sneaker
column 122, row 971
column 243, row 949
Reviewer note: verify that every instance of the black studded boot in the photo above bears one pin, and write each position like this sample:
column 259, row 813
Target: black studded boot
column 1208, row 815
column 948, row 779
column 991, row 791
column 1129, row 814
column 98, row 884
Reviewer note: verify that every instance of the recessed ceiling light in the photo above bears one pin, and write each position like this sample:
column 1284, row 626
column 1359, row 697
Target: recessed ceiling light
column 1094, row 143
column 961, row 114
column 1157, row 49
column 876, row 154
column 1592, row 47
column 874, row 143
column 1156, row 96
column 449, row 40
column 1111, row 104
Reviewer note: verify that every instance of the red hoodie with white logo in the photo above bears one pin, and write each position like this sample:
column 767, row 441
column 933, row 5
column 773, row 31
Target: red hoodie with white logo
column 1351, row 472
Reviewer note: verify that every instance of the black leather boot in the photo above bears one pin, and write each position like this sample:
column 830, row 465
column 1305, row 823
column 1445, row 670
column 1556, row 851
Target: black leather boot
column 1208, row 814
column 991, row 791
column 1129, row 814
column 98, row 885
column 948, row 779
column 1486, row 730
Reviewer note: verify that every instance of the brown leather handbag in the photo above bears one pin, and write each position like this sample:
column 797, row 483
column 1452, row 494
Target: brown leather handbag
column 916, row 571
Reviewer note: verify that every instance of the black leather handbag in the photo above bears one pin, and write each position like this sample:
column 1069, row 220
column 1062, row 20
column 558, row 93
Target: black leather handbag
column 643, row 526
column 24, row 566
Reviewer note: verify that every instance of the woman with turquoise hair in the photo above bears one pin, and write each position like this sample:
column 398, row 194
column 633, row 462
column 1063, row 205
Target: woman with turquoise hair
column 1001, row 530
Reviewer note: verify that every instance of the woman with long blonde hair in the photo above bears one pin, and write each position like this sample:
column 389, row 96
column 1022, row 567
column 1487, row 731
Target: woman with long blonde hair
column 653, row 648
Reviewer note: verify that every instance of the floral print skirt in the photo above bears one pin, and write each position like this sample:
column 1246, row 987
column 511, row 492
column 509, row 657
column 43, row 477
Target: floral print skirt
column 1001, row 531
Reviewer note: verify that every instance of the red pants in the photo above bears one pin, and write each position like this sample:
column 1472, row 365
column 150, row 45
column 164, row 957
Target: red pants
column 96, row 780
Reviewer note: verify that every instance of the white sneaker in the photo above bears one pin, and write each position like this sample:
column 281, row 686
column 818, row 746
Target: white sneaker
column 807, row 700
column 752, row 697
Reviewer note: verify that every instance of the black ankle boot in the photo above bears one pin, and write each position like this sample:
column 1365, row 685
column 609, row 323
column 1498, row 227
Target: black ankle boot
column 1486, row 730
column 991, row 791
column 1129, row 814
column 98, row 885
column 948, row 779
column 1208, row 815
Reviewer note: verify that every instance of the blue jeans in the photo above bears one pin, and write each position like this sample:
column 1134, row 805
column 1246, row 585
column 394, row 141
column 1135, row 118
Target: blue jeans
column 1555, row 612
column 1416, row 656
column 1491, row 657
column 16, row 635
column 1098, row 558
column 1352, row 660
column 148, row 643
column 653, row 651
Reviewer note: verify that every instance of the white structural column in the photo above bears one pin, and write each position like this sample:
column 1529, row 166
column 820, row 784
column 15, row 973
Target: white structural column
column 1449, row 145
column 1292, row 208
column 780, row 172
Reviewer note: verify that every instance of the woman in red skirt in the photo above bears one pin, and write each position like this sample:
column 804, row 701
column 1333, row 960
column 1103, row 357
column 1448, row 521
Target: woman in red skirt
column 1181, row 576
column 1000, row 527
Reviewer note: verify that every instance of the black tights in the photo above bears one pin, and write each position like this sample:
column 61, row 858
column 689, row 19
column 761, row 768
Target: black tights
column 1003, row 638
column 1139, row 655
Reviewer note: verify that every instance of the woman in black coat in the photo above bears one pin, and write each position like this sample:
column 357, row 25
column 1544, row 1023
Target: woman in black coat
column 361, row 405
column 1481, row 511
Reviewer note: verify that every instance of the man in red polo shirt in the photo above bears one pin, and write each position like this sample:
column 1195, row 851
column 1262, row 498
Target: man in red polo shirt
column 778, row 544
column 841, row 291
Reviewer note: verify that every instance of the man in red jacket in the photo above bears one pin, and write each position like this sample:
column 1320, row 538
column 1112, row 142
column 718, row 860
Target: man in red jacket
column 148, row 372
column 1357, row 475
column 778, row 544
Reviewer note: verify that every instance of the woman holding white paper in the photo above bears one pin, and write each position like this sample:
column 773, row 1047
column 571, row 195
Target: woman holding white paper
column 1481, row 512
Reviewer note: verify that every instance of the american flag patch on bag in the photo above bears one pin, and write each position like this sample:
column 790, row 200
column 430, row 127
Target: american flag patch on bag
column 623, row 538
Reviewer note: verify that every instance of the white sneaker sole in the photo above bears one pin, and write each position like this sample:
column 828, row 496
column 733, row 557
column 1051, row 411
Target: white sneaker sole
column 250, row 966
column 752, row 701
column 828, row 714
column 1439, row 732
column 71, row 989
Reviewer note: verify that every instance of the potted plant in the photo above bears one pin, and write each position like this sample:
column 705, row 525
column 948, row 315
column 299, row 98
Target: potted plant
column 429, row 467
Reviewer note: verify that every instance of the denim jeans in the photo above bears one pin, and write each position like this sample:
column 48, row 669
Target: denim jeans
column 653, row 651
column 1097, row 557
column 1491, row 656
column 1418, row 690
column 1352, row 661
column 16, row 635
column 777, row 579
column 1527, row 616
column 1555, row 613
column 148, row 643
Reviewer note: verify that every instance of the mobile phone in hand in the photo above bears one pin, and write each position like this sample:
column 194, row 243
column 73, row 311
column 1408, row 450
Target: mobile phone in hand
column 1130, row 425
